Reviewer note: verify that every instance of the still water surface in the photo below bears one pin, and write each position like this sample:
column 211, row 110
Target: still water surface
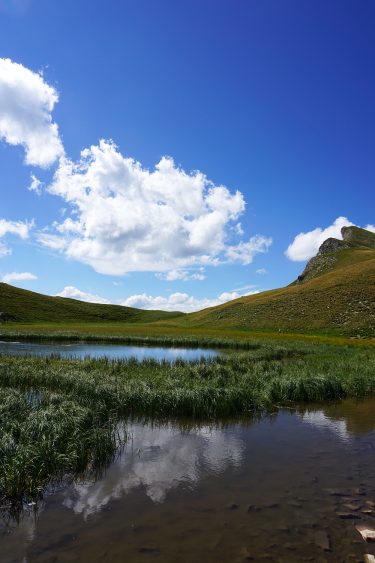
column 289, row 488
column 83, row 350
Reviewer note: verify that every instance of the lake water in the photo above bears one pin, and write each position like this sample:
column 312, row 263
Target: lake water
column 99, row 350
column 287, row 488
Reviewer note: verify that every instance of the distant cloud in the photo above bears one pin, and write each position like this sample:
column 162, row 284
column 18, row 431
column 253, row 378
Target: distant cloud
column 35, row 185
column 306, row 245
column 18, row 276
column 244, row 252
column 181, row 275
column 127, row 218
column 26, row 103
column 74, row 293
column 180, row 301
column 261, row 271
column 17, row 228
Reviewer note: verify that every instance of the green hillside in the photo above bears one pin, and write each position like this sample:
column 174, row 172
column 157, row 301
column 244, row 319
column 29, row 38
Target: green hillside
column 27, row 306
column 336, row 295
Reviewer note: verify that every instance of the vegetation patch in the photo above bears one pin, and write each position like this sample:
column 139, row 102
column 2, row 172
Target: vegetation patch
column 58, row 417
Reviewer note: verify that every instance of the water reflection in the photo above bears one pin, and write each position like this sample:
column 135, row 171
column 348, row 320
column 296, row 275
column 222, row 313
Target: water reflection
column 345, row 419
column 280, row 487
column 83, row 350
column 159, row 459
column 323, row 422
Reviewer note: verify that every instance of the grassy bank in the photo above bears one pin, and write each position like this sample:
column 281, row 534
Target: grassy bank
column 168, row 334
column 57, row 416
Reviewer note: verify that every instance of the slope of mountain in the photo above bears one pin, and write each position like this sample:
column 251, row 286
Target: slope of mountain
column 335, row 293
column 20, row 305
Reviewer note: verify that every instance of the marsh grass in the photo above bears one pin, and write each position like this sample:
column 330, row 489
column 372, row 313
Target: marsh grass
column 58, row 416
column 218, row 342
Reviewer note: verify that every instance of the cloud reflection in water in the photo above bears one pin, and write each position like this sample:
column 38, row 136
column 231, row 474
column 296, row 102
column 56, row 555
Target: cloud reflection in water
column 159, row 459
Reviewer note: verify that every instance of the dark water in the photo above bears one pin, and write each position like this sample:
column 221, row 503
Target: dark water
column 286, row 488
column 112, row 351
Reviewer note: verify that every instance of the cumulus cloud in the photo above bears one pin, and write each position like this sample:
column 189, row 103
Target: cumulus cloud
column 27, row 102
column 18, row 276
column 126, row 218
column 17, row 228
column 306, row 245
column 182, row 275
column 72, row 292
column 180, row 301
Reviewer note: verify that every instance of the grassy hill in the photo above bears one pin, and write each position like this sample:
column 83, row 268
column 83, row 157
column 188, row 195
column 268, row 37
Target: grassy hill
column 337, row 295
column 27, row 306
column 334, row 295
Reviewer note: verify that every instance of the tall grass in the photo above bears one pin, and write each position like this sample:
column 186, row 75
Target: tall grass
column 161, row 340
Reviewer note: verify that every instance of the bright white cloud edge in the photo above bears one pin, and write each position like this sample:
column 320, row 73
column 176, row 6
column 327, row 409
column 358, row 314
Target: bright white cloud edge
column 27, row 102
column 20, row 229
column 72, row 292
column 18, row 276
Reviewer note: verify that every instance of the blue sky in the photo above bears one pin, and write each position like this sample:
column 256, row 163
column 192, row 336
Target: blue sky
column 272, row 101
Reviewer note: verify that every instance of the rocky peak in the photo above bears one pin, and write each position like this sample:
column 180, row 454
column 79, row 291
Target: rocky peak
column 353, row 237
column 332, row 245
column 358, row 237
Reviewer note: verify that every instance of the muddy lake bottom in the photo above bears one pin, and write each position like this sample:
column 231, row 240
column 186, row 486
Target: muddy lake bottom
column 291, row 487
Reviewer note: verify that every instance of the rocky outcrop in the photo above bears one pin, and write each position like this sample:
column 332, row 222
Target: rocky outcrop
column 332, row 245
column 358, row 237
column 326, row 258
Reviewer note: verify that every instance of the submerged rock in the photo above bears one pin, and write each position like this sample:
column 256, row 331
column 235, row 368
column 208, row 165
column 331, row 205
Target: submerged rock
column 347, row 515
column 367, row 533
column 323, row 540
column 351, row 506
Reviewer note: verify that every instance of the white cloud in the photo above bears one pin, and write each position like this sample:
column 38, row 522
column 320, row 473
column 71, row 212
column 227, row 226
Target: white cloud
column 74, row 293
column 244, row 251
column 126, row 218
column 26, row 103
column 18, row 276
column 180, row 301
column 306, row 245
column 370, row 228
column 181, row 275
column 261, row 271
column 17, row 228
column 35, row 185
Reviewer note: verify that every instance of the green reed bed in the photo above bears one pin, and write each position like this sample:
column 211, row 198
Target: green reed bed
column 57, row 416
column 163, row 341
